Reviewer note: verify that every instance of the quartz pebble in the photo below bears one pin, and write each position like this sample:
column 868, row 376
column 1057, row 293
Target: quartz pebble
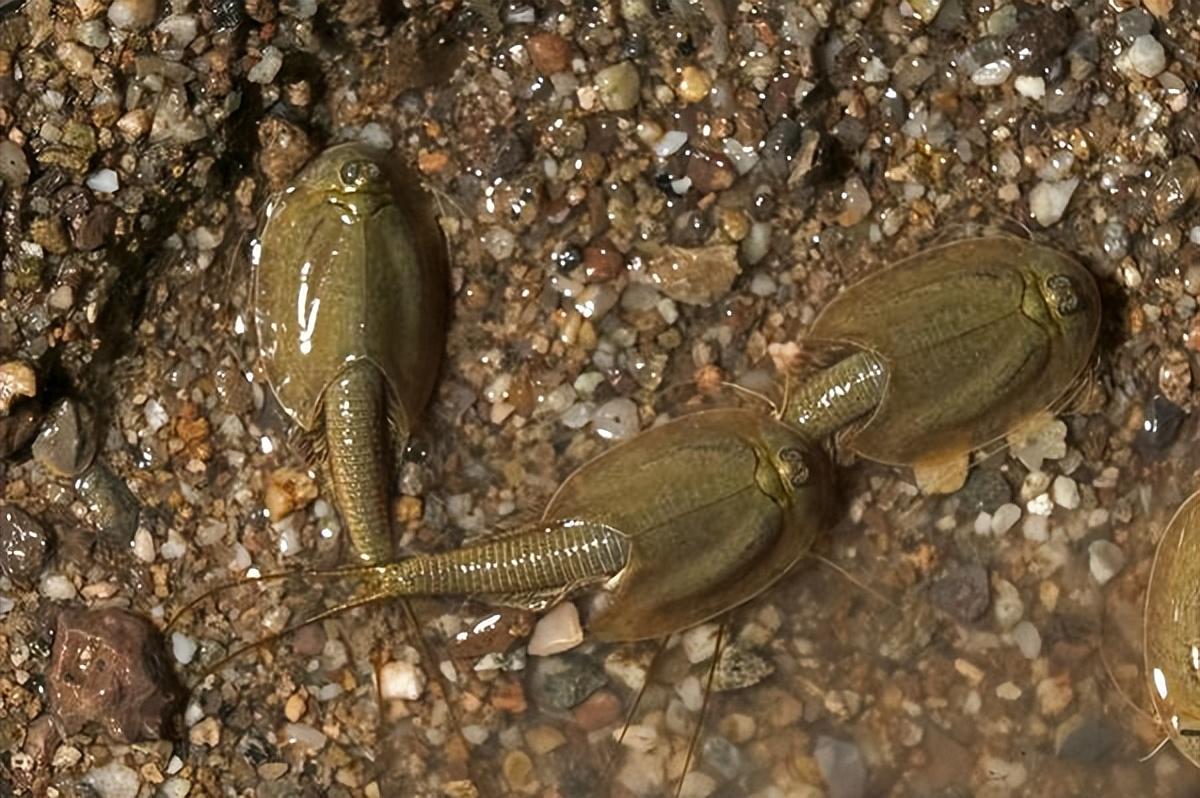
column 1066, row 492
column 114, row 780
column 401, row 681
column 619, row 86
column 132, row 14
column 1005, row 517
column 1048, row 200
column 104, row 181
column 1028, row 639
column 1105, row 560
column 1006, row 604
column 616, row 419
column 1145, row 56
column 267, row 67
column 842, row 766
column 557, row 631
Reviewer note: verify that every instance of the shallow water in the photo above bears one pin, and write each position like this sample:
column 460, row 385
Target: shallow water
column 875, row 134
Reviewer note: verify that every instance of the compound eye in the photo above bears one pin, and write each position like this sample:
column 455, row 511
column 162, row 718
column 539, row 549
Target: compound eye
column 1062, row 289
column 355, row 174
column 350, row 173
column 797, row 469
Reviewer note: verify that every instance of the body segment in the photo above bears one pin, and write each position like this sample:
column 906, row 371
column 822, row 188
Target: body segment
column 350, row 306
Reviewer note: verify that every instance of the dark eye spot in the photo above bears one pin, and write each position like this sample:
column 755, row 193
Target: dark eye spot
column 1062, row 288
column 797, row 469
column 349, row 173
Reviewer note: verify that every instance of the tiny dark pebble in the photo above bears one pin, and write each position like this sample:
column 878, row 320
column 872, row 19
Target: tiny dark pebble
column 962, row 592
column 66, row 445
column 109, row 667
column 24, row 545
column 985, row 490
column 1085, row 738
column 113, row 510
column 710, row 172
column 602, row 261
column 565, row 688
column 1042, row 35
column 1160, row 427
column 18, row 428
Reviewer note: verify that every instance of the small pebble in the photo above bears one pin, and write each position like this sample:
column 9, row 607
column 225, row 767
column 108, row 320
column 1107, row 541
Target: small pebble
column 1028, row 639
column 58, row 587
column 992, row 74
column 14, row 166
column 694, row 84
column 549, row 52
column 557, row 631
column 114, row 780
column 401, row 681
column 842, row 766
column 183, row 647
column 1145, row 56
column 619, row 86
column 1032, row 87
column 267, row 67
column 1048, row 200
column 104, row 181
column 616, row 419
column 1040, row 505
column 1005, row 517
column 1007, row 606
column 304, row 735
column 132, row 14
column 24, row 545
column 1008, row 691
column 1054, row 694
column 1105, row 560
column 1066, row 492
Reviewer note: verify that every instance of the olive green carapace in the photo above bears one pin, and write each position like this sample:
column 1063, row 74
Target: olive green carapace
column 682, row 523
column 350, row 308
column 1172, row 630
column 975, row 338
column 717, row 505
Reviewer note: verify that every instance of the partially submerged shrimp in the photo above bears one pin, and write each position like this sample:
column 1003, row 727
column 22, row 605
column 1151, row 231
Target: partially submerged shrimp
column 350, row 306
column 953, row 348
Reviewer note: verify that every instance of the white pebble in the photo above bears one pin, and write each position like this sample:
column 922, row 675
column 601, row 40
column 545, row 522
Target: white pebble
column 616, row 419
column 557, row 631
column 104, row 181
column 183, row 647
column 114, row 780
column 670, row 143
column 401, row 681
column 1146, row 57
column 267, row 67
column 1066, row 492
column 983, row 524
column 1036, row 528
column 156, row 416
column 1032, row 87
column 993, row 74
column 1048, row 199
column 1041, row 505
column 174, row 548
column 640, row 737
column 1007, row 606
column 1105, row 560
column 132, row 14
column 303, row 734
column 175, row 788
column 475, row 734
column 1005, row 517
column 700, row 642
column 143, row 545
column 58, row 587
column 1008, row 691
column 1107, row 478
column 1028, row 639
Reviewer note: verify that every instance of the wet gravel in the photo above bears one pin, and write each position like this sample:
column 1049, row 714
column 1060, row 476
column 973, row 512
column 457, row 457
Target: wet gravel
column 642, row 200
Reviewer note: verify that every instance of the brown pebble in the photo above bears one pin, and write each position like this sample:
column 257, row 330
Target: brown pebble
column 284, row 148
column 544, row 739
column 109, row 667
column 518, row 771
column 549, row 52
column 288, row 490
column 408, row 509
column 16, row 379
column 509, row 697
column 602, row 261
column 295, row 707
column 206, row 732
column 430, row 162
column 599, row 710
column 710, row 172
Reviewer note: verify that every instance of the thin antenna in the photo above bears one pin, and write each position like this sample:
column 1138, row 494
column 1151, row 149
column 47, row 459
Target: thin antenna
column 853, row 580
column 752, row 393
column 712, row 672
